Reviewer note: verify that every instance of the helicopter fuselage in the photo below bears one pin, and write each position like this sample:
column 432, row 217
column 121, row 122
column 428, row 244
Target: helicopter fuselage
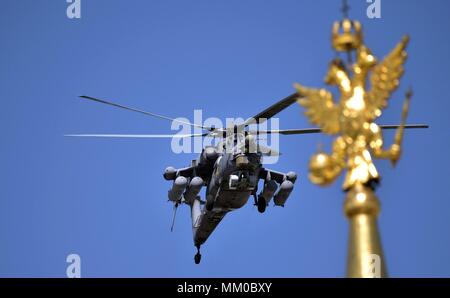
column 230, row 179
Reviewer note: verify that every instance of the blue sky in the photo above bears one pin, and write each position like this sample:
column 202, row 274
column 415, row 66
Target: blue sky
column 106, row 200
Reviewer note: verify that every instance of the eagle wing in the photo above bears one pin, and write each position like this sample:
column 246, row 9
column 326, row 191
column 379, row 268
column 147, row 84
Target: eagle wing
column 385, row 78
column 319, row 108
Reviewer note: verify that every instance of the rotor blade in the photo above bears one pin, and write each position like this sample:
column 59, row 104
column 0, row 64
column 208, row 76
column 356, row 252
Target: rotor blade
column 128, row 136
column 143, row 112
column 288, row 131
column 317, row 130
column 407, row 126
column 272, row 110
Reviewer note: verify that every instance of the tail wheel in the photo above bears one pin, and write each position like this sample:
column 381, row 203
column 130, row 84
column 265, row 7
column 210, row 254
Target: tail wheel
column 262, row 204
column 197, row 258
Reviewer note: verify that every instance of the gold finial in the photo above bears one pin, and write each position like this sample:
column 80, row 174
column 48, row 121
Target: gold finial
column 353, row 117
column 358, row 136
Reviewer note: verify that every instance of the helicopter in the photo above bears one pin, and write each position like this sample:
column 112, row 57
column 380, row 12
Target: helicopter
column 230, row 170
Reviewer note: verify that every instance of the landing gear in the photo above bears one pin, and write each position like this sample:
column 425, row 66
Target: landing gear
column 198, row 256
column 261, row 204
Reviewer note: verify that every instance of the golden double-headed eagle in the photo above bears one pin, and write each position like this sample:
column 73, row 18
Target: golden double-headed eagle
column 353, row 117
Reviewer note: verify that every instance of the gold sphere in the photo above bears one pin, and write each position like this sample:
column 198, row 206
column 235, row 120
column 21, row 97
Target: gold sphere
column 322, row 169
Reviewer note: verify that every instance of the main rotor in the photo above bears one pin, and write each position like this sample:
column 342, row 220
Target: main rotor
column 235, row 131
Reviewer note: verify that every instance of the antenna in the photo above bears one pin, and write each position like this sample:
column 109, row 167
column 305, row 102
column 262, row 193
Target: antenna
column 175, row 207
column 345, row 9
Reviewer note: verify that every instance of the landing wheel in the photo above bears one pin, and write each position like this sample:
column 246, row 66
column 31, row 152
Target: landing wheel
column 198, row 256
column 261, row 204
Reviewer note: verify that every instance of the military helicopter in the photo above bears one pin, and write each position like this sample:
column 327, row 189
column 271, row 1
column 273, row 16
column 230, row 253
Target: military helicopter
column 230, row 171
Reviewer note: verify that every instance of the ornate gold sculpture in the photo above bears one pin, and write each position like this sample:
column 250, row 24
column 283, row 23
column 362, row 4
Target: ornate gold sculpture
column 359, row 137
column 353, row 118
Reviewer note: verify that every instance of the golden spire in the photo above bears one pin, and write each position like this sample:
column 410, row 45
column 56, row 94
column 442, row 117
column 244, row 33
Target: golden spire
column 359, row 138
